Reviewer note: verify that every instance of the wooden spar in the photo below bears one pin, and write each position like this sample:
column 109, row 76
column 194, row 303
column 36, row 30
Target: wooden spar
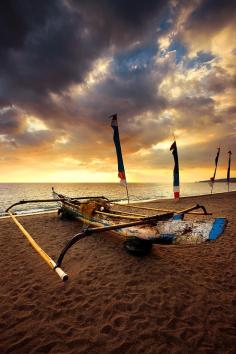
column 126, row 213
column 99, row 229
column 40, row 251
column 188, row 210
column 160, row 209
column 94, row 223
column 80, row 198
column 105, row 213
column 184, row 211
column 130, row 216
column 140, row 207
column 60, row 199
column 89, row 221
column 34, row 201
column 114, row 215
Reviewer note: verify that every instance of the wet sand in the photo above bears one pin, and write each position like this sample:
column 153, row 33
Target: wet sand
column 179, row 299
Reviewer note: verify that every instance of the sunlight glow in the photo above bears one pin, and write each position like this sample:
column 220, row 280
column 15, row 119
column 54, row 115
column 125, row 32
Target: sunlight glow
column 98, row 73
column 62, row 140
column 35, row 124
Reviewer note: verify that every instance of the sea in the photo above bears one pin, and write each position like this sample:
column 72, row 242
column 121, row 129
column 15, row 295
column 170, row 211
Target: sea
column 13, row 192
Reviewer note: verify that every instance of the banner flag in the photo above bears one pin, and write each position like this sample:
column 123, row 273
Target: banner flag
column 116, row 138
column 174, row 150
column 228, row 171
column 212, row 179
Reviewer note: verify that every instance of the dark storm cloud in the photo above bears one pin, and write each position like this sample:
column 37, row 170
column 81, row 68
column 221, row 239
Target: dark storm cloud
column 37, row 139
column 218, row 80
column 199, row 105
column 11, row 122
column 121, row 20
column 19, row 18
column 50, row 54
column 51, row 45
column 231, row 110
column 212, row 15
column 130, row 90
column 48, row 48
column 48, row 45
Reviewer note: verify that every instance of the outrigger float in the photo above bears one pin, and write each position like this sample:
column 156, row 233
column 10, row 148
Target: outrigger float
column 139, row 230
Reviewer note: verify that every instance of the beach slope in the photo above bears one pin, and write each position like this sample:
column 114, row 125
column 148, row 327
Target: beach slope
column 179, row 299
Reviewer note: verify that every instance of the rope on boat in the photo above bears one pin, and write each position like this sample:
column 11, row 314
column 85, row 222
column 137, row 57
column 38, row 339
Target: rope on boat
column 38, row 249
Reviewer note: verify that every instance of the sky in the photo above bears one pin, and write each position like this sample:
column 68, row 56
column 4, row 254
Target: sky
column 167, row 68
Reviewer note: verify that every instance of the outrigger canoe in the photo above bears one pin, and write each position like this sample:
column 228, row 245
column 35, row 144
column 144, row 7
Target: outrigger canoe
column 140, row 231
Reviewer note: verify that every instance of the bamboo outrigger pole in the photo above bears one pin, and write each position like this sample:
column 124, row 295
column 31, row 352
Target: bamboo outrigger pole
column 38, row 249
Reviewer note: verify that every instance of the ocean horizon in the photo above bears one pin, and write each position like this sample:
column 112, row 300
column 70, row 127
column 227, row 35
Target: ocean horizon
column 14, row 192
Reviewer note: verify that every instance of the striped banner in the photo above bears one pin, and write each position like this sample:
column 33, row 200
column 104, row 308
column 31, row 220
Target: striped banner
column 212, row 179
column 116, row 138
column 228, row 171
column 174, row 150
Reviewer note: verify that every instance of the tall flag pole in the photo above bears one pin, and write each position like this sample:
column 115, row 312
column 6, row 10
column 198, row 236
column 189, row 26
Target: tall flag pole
column 228, row 171
column 116, row 138
column 174, row 150
column 212, row 180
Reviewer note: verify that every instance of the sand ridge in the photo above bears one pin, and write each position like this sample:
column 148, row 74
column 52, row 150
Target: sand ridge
column 176, row 300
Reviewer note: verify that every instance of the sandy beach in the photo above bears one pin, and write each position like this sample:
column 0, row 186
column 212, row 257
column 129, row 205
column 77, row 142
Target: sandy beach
column 179, row 299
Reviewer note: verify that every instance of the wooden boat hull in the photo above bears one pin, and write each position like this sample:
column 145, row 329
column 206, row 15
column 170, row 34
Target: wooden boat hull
column 166, row 232
column 141, row 231
column 140, row 234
